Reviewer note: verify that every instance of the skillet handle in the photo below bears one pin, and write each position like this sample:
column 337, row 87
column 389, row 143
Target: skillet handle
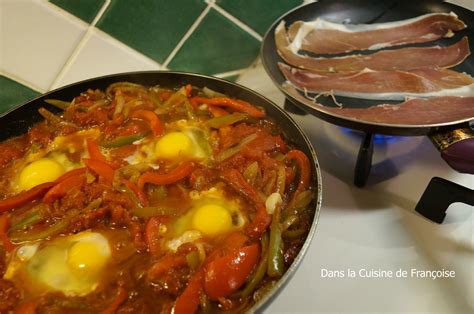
column 457, row 148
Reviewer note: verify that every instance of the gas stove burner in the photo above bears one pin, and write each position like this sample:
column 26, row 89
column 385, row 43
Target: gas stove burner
column 366, row 150
column 377, row 138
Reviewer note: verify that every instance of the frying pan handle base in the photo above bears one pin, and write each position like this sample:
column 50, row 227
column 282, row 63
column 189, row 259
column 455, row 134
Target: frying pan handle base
column 439, row 194
column 364, row 160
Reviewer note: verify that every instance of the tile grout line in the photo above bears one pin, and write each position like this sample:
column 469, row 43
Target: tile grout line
column 230, row 73
column 100, row 13
column 236, row 21
column 80, row 45
column 22, row 82
column 186, row 36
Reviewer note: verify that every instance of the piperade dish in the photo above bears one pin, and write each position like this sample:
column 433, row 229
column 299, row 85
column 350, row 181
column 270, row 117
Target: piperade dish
column 150, row 199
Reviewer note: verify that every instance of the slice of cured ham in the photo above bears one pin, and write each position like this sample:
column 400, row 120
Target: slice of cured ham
column 437, row 110
column 397, row 59
column 320, row 36
column 414, row 111
column 384, row 85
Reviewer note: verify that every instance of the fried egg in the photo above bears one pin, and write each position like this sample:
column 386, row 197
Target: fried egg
column 49, row 164
column 183, row 141
column 210, row 215
column 39, row 171
column 72, row 264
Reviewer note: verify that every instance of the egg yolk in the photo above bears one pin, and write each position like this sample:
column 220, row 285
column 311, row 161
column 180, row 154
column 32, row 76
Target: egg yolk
column 86, row 256
column 174, row 144
column 212, row 219
column 39, row 171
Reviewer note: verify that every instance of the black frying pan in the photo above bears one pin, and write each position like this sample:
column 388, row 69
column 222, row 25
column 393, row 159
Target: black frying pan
column 366, row 12
column 18, row 120
column 455, row 139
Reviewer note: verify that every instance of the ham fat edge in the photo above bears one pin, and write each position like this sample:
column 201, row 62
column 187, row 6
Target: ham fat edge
column 397, row 59
column 415, row 111
column 324, row 37
column 382, row 85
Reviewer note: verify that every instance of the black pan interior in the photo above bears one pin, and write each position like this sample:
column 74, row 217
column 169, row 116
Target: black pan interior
column 366, row 12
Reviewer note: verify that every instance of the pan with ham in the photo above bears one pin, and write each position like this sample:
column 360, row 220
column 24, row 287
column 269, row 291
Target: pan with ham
column 418, row 77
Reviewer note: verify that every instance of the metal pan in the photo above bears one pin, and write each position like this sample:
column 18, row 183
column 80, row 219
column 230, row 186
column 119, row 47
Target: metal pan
column 366, row 12
column 18, row 120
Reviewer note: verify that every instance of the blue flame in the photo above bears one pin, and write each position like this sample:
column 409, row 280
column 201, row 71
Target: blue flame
column 377, row 138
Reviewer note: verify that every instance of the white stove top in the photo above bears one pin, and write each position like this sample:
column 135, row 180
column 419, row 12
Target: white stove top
column 373, row 230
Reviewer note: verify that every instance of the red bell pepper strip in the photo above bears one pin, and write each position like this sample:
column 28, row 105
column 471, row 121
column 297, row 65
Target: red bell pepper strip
column 4, row 225
column 225, row 275
column 71, row 173
column 290, row 176
column 152, row 234
column 188, row 302
column 61, row 188
column 178, row 173
column 237, row 181
column 104, row 170
column 119, row 299
column 237, row 105
column 138, row 192
column 25, row 197
column 262, row 218
column 304, row 166
column 187, row 90
column 155, row 124
column 94, row 151
column 260, row 222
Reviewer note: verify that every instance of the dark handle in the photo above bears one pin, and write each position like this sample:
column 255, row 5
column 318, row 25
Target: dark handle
column 457, row 148
column 439, row 194
column 460, row 155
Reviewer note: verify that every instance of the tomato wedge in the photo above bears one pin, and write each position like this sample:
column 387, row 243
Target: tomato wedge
column 225, row 275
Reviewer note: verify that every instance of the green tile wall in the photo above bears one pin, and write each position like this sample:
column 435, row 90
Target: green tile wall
column 153, row 27
column 86, row 10
column 13, row 94
column 258, row 14
column 216, row 46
